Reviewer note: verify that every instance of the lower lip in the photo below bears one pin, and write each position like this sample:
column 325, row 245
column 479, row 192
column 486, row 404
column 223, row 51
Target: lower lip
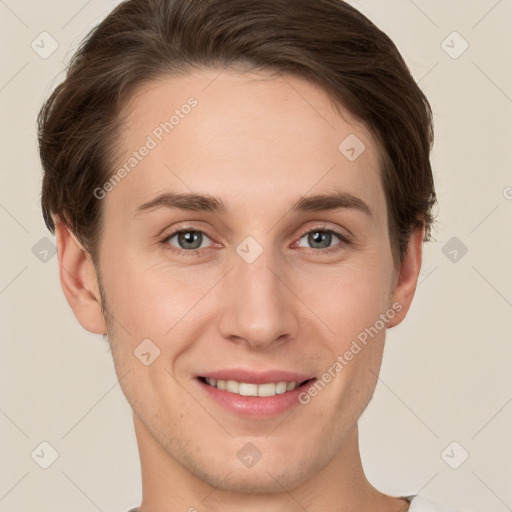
column 260, row 407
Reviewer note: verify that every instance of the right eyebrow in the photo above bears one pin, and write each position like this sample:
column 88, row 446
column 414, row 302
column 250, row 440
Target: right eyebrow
column 188, row 201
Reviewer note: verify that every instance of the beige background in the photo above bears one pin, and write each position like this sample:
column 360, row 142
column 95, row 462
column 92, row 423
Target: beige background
column 447, row 370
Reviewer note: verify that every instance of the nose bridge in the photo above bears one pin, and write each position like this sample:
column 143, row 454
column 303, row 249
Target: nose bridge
column 257, row 306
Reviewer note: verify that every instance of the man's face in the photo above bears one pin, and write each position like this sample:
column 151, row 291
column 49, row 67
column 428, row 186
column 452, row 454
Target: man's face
column 257, row 286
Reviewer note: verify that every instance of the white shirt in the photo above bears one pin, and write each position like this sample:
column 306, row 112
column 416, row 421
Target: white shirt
column 420, row 504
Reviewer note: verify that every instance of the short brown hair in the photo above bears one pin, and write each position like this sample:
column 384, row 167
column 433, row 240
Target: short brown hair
column 327, row 42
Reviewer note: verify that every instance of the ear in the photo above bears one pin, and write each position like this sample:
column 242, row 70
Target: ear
column 79, row 280
column 407, row 275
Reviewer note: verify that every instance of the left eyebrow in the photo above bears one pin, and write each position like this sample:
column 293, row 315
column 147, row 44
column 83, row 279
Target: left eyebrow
column 200, row 202
column 333, row 201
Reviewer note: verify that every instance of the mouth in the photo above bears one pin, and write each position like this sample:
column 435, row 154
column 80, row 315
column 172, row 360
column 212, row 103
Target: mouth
column 253, row 394
column 266, row 389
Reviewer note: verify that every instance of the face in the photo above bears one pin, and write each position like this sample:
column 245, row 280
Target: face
column 276, row 275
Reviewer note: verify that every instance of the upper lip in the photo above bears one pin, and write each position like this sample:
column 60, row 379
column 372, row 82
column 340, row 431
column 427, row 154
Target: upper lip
column 252, row 377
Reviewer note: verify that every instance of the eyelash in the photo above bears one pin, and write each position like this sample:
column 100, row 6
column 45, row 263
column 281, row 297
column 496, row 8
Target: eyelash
column 194, row 252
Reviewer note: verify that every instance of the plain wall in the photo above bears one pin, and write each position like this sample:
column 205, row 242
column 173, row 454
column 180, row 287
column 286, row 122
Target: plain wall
column 446, row 373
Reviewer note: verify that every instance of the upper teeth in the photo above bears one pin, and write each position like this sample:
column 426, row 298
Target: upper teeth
column 247, row 389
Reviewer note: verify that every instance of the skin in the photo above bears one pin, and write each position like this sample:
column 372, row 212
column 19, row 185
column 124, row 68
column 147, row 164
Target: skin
column 259, row 144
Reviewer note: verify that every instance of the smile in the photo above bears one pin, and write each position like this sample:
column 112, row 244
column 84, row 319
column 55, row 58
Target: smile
column 250, row 389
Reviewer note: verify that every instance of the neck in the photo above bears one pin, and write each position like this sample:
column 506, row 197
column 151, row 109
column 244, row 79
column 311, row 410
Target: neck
column 167, row 486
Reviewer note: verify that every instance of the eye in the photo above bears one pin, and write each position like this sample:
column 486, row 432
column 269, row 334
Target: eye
column 188, row 241
column 321, row 238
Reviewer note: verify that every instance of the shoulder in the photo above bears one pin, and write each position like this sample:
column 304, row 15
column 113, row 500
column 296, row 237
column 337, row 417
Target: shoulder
column 420, row 504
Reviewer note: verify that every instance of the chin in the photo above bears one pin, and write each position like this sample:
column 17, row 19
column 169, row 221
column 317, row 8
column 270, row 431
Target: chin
column 271, row 474
column 252, row 481
column 283, row 463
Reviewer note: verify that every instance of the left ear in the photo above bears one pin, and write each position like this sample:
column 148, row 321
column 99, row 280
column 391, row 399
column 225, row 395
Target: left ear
column 407, row 276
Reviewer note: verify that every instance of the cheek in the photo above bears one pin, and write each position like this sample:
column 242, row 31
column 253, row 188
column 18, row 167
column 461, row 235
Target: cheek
column 149, row 301
column 349, row 298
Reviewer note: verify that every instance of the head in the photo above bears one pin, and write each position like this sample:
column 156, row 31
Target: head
column 291, row 141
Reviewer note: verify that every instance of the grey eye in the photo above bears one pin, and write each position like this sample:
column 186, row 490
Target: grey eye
column 189, row 239
column 320, row 238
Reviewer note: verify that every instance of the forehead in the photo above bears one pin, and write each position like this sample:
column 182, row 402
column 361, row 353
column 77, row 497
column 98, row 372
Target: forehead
column 242, row 134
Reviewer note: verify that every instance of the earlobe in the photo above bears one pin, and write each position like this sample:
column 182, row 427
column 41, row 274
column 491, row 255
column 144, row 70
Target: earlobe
column 407, row 277
column 79, row 280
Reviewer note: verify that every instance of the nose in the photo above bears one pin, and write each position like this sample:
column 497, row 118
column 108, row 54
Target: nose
column 257, row 306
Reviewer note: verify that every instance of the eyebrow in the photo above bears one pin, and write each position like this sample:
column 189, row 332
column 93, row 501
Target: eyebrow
column 207, row 203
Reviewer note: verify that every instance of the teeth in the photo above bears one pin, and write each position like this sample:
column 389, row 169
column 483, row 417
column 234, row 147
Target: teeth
column 247, row 389
column 280, row 387
column 232, row 386
column 291, row 386
column 268, row 389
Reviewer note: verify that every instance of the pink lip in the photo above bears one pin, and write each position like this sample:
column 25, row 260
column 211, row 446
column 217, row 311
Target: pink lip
column 241, row 375
column 255, row 407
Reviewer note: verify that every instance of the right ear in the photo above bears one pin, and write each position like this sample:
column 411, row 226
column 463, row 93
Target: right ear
column 79, row 280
